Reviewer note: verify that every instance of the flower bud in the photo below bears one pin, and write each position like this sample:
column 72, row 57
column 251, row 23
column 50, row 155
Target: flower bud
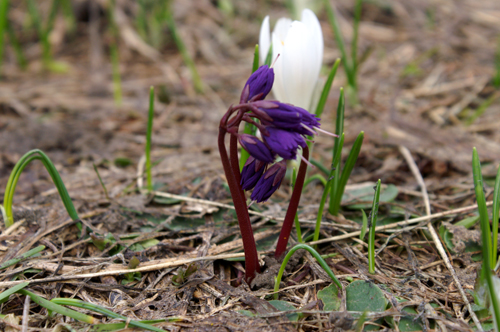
column 286, row 116
column 283, row 142
column 251, row 173
column 269, row 182
column 258, row 85
column 256, row 148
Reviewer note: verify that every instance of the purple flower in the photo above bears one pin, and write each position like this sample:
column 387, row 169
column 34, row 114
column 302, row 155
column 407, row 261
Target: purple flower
column 269, row 182
column 256, row 148
column 286, row 116
column 251, row 173
column 283, row 142
column 258, row 85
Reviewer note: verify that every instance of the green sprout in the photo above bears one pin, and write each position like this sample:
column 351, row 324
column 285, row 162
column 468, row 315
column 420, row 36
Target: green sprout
column 150, row 21
column 326, row 191
column 14, row 178
column 489, row 256
column 149, row 133
column 188, row 60
column 44, row 31
column 372, row 226
column 115, row 60
column 313, row 252
column 496, row 77
column 4, row 9
column 350, row 64
column 59, row 302
column 33, row 252
column 340, row 178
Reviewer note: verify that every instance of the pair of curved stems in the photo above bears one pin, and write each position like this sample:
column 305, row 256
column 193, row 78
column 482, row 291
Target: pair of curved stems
column 231, row 169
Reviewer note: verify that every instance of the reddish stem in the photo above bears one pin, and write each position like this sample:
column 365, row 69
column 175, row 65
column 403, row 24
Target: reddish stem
column 235, row 164
column 251, row 258
column 292, row 208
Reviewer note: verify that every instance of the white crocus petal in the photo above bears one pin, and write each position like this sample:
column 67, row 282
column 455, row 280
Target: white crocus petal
column 281, row 29
column 279, row 84
column 311, row 21
column 300, row 69
column 264, row 39
column 278, row 37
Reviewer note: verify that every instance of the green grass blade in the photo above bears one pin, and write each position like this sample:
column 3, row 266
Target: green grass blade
column 140, row 19
column 318, row 177
column 5, row 294
column 198, row 84
column 339, row 121
column 326, row 191
column 338, row 37
column 320, row 166
column 481, row 109
column 485, row 236
column 16, row 45
column 255, row 64
column 493, row 294
column 61, row 188
column 43, row 33
column 149, row 133
column 494, row 218
column 326, row 89
column 69, row 15
column 101, row 182
column 103, row 311
column 244, row 153
column 120, row 326
column 53, row 307
column 364, row 227
column 354, row 43
column 315, row 254
column 373, row 224
column 297, row 229
column 11, row 186
column 50, row 21
column 483, row 211
column 346, row 172
column 35, row 18
column 269, row 56
column 113, row 53
column 338, row 155
column 339, row 130
column 4, row 10
column 21, row 257
column 54, row 174
column 361, row 322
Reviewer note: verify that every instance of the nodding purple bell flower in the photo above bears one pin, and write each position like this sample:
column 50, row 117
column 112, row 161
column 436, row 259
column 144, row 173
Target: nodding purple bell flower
column 286, row 116
column 258, row 85
column 283, row 142
column 251, row 173
column 256, row 148
column 269, row 182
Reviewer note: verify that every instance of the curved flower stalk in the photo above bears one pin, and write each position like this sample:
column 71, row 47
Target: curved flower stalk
column 283, row 128
column 299, row 45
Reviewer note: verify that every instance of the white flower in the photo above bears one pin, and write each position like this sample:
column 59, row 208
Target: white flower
column 300, row 48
